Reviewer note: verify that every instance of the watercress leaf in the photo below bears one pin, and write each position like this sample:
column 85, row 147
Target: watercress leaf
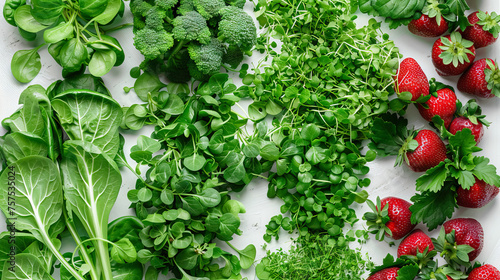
column 316, row 154
column 247, row 256
column 310, row 132
column 233, row 206
column 144, row 194
column 174, row 105
column 257, row 111
column 144, row 256
column 229, row 225
column 145, row 84
column 96, row 119
column 25, row 65
column 101, row 62
column 182, row 242
column 39, row 190
column 235, row 172
column 92, row 8
column 123, row 251
column 193, row 206
column 132, row 121
column 194, row 162
column 27, row 267
column 270, row 152
column 151, row 273
column 209, row 198
column 251, row 150
column 58, row 33
column 112, row 9
column 187, row 258
column 167, row 196
column 145, row 143
column 72, row 55
column 25, row 20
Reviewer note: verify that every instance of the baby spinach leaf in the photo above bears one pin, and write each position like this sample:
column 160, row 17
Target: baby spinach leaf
column 194, row 162
column 101, row 62
column 126, row 227
column 123, row 251
column 187, row 258
column 72, row 55
column 129, row 271
column 25, row 65
column 47, row 11
column 209, row 198
column 92, row 8
column 58, row 33
column 229, row 225
column 112, row 9
column 9, row 8
column 145, row 84
column 25, row 20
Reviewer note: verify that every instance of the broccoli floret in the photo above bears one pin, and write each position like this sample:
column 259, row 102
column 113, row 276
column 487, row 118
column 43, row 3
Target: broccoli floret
column 233, row 56
column 166, row 4
column 208, row 8
column 191, row 26
column 155, row 18
column 208, row 58
column 237, row 28
column 196, row 73
column 139, row 7
column 185, row 7
column 152, row 43
column 237, row 3
column 139, row 23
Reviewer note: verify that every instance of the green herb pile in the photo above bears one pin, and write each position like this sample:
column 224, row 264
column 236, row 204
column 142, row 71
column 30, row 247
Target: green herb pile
column 74, row 31
column 325, row 86
column 313, row 257
column 192, row 38
column 59, row 186
column 198, row 152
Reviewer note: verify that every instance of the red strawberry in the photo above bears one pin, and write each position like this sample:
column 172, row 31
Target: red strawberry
column 442, row 103
column 416, row 241
column 477, row 196
column 484, row 272
column 483, row 30
column 481, row 79
column 385, row 274
column 426, row 26
column 429, row 152
column 452, row 55
column 391, row 216
column 411, row 78
column 468, row 231
column 460, row 123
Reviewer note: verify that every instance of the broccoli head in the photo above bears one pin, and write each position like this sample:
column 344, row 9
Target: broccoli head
column 196, row 73
column 237, row 3
column 233, row 56
column 155, row 18
column 208, row 8
column 139, row 7
column 237, row 28
column 185, row 7
column 166, row 4
column 191, row 26
column 208, row 58
column 153, row 43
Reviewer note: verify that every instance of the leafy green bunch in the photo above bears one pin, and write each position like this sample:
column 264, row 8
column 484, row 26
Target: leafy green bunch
column 191, row 38
column 313, row 258
column 53, row 185
column 74, row 31
column 196, row 155
column 397, row 12
column 323, row 89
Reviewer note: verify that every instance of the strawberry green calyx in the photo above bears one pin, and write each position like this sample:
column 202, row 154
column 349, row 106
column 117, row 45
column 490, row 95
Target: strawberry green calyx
column 422, row 259
column 455, row 255
column 377, row 219
column 490, row 22
column 433, row 10
column 492, row 77
column 433, row 271
column 472, row 111
column 455, row 49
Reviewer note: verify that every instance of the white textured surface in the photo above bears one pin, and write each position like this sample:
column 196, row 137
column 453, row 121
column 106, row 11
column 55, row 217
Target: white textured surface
column 386, row 179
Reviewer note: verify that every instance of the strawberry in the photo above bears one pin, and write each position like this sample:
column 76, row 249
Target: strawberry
column 429, row 152
column 391, row 216
column 452, row 55
column 483, row 30
column 385, row 274
column 443, row 103
column 411, row 78
column 460, row 241
column 481, row 79
column 416, row 241
column 469, row 116
column 426, row 26
column 477, row 196
column 484, row 272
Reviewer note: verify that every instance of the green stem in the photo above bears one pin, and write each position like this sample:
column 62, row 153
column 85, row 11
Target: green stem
column 177, row 49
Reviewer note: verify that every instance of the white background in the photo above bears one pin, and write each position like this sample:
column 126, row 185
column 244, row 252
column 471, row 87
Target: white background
column 386, row 179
